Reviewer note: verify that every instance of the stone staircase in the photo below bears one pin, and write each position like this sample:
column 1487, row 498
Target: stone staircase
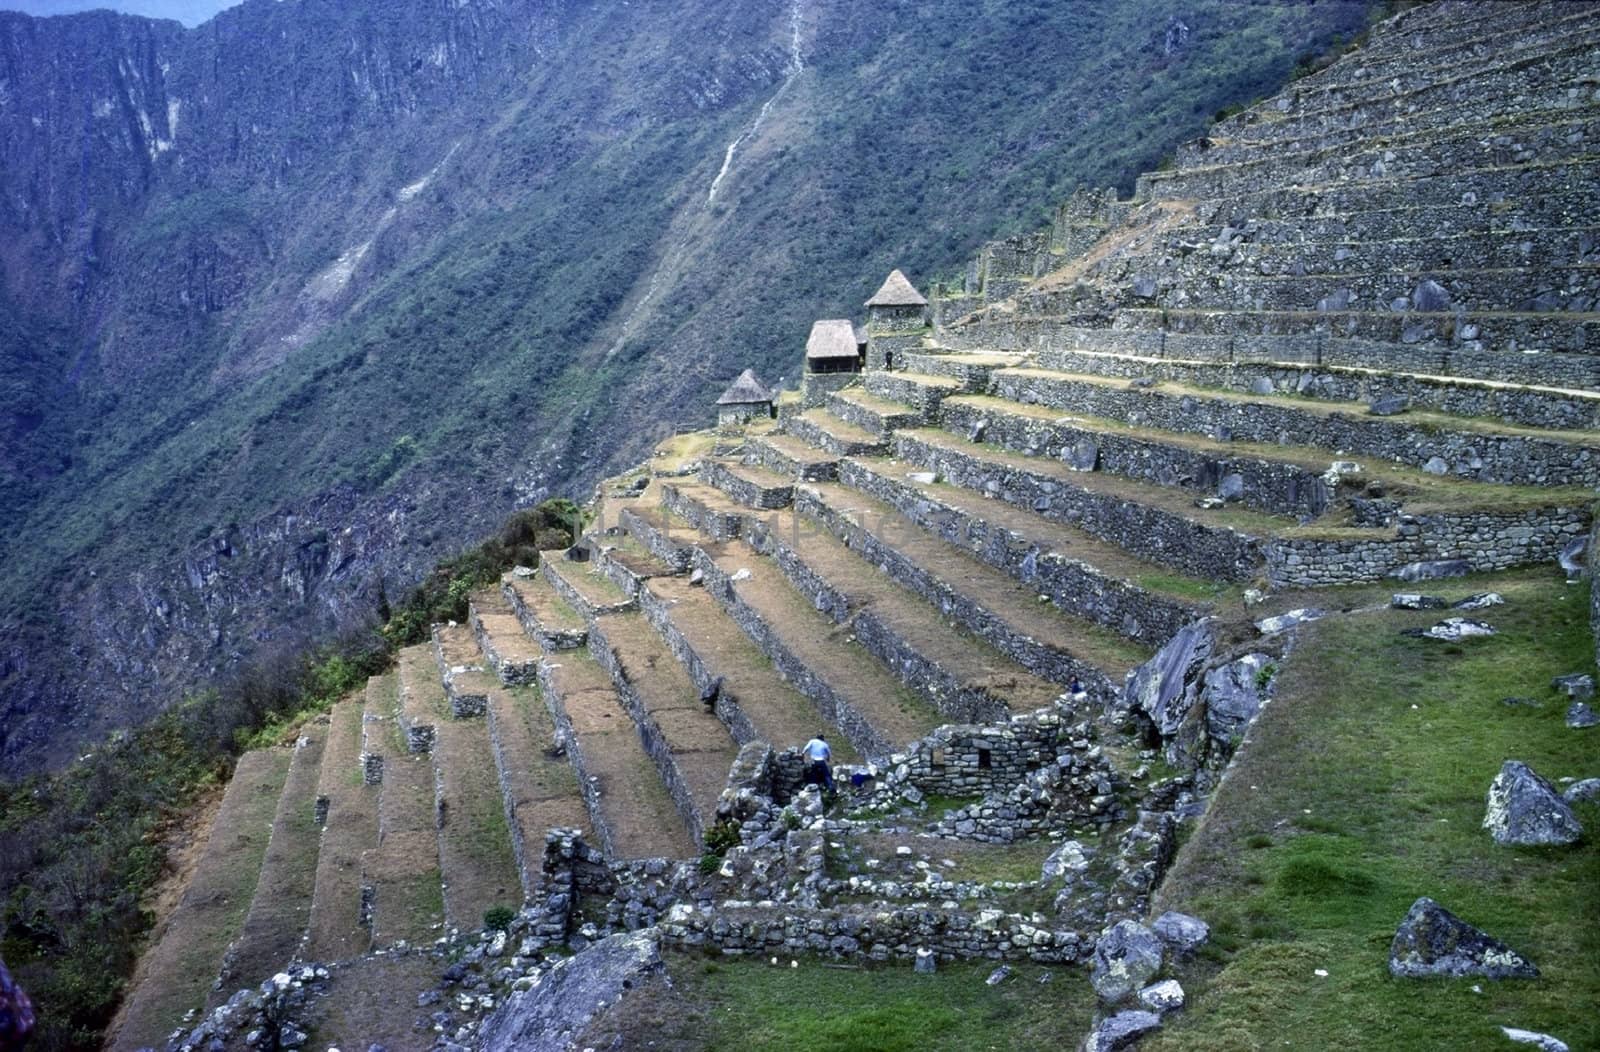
column 1348, row 336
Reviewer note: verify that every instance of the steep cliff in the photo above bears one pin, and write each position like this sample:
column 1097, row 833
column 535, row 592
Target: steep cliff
column 294, row 299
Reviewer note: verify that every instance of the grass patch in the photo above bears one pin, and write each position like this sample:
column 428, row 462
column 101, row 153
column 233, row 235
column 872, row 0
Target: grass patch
column 1188, row 587
column 1363, row 790
column 752, row 1005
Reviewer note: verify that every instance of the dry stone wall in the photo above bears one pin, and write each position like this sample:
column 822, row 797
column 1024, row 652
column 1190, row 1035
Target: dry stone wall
column 1150, row 532
column 1520, row 459
column 1205, row 366
column 1072, row 584
column 1485, row 540
column 1274, row 486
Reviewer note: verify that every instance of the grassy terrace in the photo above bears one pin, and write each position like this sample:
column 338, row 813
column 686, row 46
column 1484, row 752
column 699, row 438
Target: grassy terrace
column 749, row 1004
column 1420, row 491
column 1363, row 790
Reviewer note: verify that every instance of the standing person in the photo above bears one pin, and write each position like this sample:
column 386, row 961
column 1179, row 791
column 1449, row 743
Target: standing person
column 817, row 755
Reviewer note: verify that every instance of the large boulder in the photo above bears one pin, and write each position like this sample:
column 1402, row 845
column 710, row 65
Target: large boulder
column 1582, row 792
column 552, row 1015
column 1578, row 686
column 1182, row 933
column 1232, row 696
column 1432, row 941
column 1126, row 956
column 1121, row 1031
column 1525, row 809
column 1163, row 688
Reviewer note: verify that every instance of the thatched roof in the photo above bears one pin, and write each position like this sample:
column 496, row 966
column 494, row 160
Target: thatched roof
column 897, row 291
column 745, row 390
column 831, row 339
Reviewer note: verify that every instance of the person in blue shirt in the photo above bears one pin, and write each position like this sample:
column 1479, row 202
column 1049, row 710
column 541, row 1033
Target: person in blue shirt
column 817, row 755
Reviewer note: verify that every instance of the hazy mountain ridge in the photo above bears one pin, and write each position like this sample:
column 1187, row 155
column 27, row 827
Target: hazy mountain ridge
column 375, row 266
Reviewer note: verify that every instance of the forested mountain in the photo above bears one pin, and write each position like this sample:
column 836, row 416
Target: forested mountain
column 295, row 300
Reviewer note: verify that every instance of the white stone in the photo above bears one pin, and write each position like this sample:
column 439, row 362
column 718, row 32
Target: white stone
column 1163, row 997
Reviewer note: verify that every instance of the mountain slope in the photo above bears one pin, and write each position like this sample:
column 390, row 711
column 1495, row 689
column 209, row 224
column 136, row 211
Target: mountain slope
column 294, row 296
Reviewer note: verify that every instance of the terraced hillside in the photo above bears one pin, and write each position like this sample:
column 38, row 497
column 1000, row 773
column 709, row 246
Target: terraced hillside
column 1343, row 340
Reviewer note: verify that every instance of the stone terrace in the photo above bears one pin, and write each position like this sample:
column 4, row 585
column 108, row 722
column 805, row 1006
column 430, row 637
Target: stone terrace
column 1350, row 332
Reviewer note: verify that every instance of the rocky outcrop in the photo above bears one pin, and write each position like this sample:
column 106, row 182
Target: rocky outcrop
column 552, row 1013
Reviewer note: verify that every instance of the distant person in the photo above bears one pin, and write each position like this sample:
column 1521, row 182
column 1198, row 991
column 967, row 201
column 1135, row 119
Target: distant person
column 1075, row 689
column 817, row 756
column 16, row 1013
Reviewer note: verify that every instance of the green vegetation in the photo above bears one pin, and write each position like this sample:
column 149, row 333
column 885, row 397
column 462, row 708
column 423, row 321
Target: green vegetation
column 1365, row 790
column 749, row 1004
column 83, row 849
column 498, row 918
column 474, row 343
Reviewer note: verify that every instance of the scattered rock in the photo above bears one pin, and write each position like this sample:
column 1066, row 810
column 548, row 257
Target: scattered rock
column 925, row 478
column 1182, row 933
column 1452, row 630
column 1580, row 716
column 998, row 976
column 1543, row 1042
column 1261, row 386
column 1582, row 792
column 1525, row 809
column 1389, row 405
column 697, row 577
column 978, row 429
column 1432, row 569
column 1163, row 997
column 1122, row 1030
column 1231, row 487
column 1479, row 601
column 1126, row 956
column 1525, row 703
column 1142, row 381
column 1070, row 857
column 1337, row 300
column 1430, row 296
column 927, row 962
column 1577, row 686
column 1572, row 558
column 1273, row 625
column 1082, row 455
column 1144, row 287
column 1416, row 601
column 1437, row 466
column 1432, row 941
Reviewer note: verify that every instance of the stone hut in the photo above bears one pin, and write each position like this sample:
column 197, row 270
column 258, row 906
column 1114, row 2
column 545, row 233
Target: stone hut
column 833, row 360
column 897, row 319
column 746, row 399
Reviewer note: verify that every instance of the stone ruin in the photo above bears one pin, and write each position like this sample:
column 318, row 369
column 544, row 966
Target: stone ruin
column 1030, row 550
